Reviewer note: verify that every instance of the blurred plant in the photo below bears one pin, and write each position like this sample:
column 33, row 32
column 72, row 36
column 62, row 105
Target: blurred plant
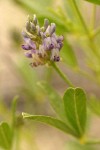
column 11, row 130
column 71, row 110
column 7, row 132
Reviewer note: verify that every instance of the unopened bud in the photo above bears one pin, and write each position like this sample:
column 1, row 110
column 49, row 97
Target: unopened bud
column 35, row 21
column 46, row 23
column 53, row 28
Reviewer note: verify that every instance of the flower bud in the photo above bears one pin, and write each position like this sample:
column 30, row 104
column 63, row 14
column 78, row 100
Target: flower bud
column 53, row 28
column 46, row 23
column 35, row 21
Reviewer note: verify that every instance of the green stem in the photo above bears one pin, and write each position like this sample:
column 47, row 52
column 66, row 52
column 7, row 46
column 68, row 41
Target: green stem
column 14, row 105
column 90, row 142
column 80, row 17
column 90, row 40
column 93, row 17
column 62, row 75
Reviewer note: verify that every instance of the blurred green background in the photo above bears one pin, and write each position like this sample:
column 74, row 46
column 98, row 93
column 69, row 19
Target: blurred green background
column 18, row 78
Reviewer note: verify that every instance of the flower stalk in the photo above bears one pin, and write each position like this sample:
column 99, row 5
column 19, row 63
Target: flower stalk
column 62, row 75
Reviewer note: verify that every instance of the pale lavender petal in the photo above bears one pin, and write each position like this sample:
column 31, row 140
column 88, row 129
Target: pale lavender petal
column 60, row 39
column 54, row 42
column 33, row 51
column 59, row 45
column 30, row 42
column 26, row 47
column 47, row 43
column 51, row 46
column 29, row 55
column 46, row 23
column 52, row 28
column 24, row 34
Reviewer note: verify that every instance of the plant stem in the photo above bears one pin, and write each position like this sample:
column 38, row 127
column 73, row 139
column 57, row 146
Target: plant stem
column 90, row 40
column 80, row 16
column 62, row 75
column 93, row 17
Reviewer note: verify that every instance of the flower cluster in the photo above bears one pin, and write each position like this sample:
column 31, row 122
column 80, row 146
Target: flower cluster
column 41, row 43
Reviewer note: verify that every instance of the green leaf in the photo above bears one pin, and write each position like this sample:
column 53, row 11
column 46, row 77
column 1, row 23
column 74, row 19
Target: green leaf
column 5, row 136
column 54, row 99
column 50, row 121
column 94, row 1
column 75, row 108
column 68, row 54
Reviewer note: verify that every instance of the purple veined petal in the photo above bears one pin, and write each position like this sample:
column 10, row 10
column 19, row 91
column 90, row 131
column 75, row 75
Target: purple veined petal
column 54, row 35
column 26, row 47
column 59, row 45
column 41, row 51
column 51, row 46
column 24, row 34
column 60, row 39
column 54, row 42
column 48, row 45
column 29, row 55
column 30, row 43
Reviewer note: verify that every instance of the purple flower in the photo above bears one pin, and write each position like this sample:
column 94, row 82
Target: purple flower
column 41, row 43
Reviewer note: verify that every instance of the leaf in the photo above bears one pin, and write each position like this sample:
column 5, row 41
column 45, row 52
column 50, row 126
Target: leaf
column 54, row 99
column 5, row 136
column 75, row 108
column 94, row 1
column 50, row 121
column 68, row 54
